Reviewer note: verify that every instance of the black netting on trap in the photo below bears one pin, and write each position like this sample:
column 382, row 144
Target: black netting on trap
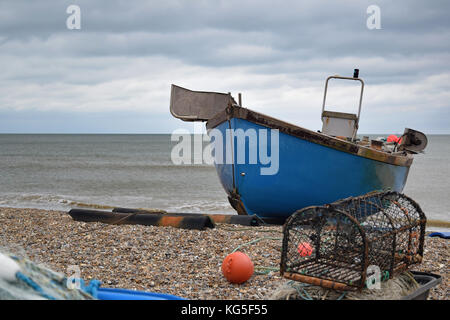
column 332, row 246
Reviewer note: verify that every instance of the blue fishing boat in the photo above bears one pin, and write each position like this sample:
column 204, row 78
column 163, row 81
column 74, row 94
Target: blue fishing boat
column 272, row 168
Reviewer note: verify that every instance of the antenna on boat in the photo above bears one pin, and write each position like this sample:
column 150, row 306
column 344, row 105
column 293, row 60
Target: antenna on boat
column 240, row 99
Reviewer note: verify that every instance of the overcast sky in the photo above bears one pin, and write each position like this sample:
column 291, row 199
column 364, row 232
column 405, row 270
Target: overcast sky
column 114, row 74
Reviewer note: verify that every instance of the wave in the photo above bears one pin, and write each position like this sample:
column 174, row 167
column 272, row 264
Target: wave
column 202, row 206
column 46, row 201
column 62, row 202
column 87, row 205
column 125, row 166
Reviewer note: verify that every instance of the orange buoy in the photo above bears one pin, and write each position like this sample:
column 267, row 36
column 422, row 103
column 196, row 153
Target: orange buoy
column 394, row 138
column 304, row 249
column 237, row 267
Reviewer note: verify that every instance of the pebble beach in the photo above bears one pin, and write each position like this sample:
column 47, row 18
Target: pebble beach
column 186, row 263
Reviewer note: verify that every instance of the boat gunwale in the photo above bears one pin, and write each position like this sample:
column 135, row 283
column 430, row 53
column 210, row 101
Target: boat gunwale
column 308, row 135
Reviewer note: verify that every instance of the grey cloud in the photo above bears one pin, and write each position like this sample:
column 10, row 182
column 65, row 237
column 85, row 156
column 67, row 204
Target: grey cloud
column 285, row 25
column 258, row 46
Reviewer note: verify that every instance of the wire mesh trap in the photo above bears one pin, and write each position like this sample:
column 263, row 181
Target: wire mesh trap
column 341, row 245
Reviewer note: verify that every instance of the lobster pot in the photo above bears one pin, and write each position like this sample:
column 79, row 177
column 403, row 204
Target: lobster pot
column 340, row 245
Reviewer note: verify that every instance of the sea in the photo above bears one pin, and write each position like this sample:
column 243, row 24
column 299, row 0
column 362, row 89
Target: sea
column 53, row 171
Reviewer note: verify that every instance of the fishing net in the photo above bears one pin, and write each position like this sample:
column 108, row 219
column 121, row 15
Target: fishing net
column 36, row 282
column 392, row 289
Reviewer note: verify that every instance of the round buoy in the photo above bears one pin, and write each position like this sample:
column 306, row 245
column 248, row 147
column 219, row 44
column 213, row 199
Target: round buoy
column 304, row 249
column 392, row 138
column 237, row 267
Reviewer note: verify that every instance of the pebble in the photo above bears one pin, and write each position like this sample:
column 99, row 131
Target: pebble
column 182, row 262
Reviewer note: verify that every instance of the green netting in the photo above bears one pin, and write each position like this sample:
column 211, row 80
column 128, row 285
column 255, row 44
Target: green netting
column 37, row 282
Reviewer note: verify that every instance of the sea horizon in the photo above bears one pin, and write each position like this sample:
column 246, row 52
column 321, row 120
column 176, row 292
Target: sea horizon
column 57, row 171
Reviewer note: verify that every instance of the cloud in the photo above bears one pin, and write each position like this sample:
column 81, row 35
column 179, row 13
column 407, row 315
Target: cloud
column 278, row 55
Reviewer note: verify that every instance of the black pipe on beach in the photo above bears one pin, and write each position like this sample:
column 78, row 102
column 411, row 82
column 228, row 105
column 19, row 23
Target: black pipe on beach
column 245, row 220
column 129, row 210
column 148, row 219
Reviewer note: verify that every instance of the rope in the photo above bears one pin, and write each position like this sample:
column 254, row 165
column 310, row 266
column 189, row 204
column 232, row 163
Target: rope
column 297, row 287
column 27, row 280
column 267, row 270
column 254, row 241
column 245, row 229
column 320, row 293
column 92, row 287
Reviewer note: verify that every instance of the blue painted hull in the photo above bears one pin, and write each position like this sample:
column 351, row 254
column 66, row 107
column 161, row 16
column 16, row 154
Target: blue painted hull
column 309, row 174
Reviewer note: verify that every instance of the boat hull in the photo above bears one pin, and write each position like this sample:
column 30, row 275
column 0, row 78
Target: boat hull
column 309, row 173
